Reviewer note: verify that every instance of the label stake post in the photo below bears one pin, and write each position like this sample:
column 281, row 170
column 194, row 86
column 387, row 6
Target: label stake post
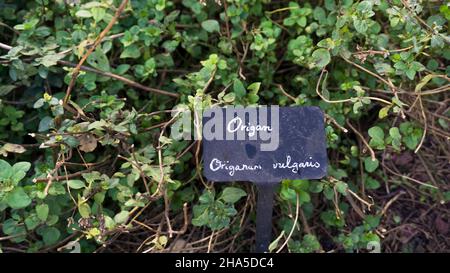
column 264, row 208
column 293, row 147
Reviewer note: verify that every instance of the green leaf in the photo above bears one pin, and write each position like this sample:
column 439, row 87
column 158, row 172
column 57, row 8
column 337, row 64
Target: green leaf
column 377, row 137
column 5, row 89
column 239, row 88
column 327, row 43
column 39, row 103
column 316, row 187
column 395, row 133
column 298, row 184
column 131, row 51
column 410, row 73
column 288, row 193
column 319, row 14
column 289, row 21
column 253, row 98
column 171, row 17
column 383, row 112
column 19, row 171
column 372, row 220
column 321, row 57
column 254, row 87
column 83, row 14
column 411, row 141
column 360, row 26
column 230, row 97
column 437, row 41
column 371, row 184
column 423, row 82
column 57, row 189
column 9, row 226
column 52, row 219
column 417, row 66
column 84, row 209
column 302, row 21
column 394, row 21
column 42, row 211
column 98, row 13
column 200, row 215
column 97, row 125
column 383, row 68
column 99, row 60
column 32, row 221
column 18, row 199
column 121, row 217
column 5, row 170
column 365, row 6
column 357, row 106
column 122, row 69
column 330, row 5
column 303, row 197
column 50, row 60
column 21, row 166
column 4, row 165
column 27, row 25
column 76, row 184
column 211, row 26
column 232, row 194
column 376, row 133
column 12, row 227
column 342, row 187
column 50, row 235
column 161, row 4
column 370, row 165
column 46, row 124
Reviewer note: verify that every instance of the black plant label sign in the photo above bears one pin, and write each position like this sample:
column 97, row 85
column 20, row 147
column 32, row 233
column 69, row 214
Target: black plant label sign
column 264, row 144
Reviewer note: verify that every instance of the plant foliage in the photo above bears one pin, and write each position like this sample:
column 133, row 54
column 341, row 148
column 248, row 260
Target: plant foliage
column 86, row 165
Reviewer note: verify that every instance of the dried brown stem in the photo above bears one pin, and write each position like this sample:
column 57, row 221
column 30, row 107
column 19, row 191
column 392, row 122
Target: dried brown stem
column 372, row 153
column 92, row 48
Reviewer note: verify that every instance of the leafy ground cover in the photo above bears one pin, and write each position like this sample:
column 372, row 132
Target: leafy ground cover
column 87, row 90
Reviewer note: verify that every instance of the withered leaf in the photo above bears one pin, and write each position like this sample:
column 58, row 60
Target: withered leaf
column 11, row 148
column 88, row 143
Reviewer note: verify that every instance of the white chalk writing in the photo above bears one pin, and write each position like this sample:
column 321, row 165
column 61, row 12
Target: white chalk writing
column 250, row 129
column 217, row 164
column 294, row 166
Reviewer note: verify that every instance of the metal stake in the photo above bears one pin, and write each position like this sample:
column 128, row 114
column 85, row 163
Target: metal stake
column 264, row 210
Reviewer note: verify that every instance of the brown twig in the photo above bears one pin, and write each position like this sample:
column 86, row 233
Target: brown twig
column 324, row 71
column 92, row 48
column 390, row 202
column 332, row 120
column 372, row 153
column 107, row 74
column 122, row 79
column 425, row 124
column 297, row 209
column 5, row 46
column 433, row 180
column 63, row 177
column 371, row 73
column 285, row 93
